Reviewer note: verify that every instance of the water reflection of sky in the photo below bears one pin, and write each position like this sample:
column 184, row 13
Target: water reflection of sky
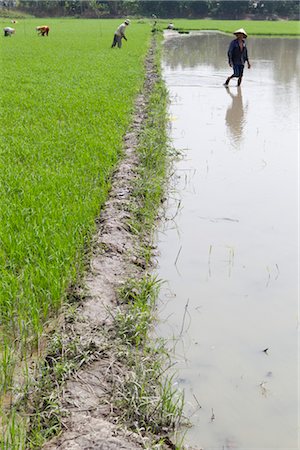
column 231, row 251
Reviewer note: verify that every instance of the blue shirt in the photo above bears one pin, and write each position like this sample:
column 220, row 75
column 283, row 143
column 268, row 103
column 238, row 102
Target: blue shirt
column 236, row 56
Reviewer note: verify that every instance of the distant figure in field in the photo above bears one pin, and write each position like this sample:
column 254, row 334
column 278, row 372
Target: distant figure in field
column 170, row 26
column 43, row 30
column 120, row 34
column 14, row 21
column 154, row 28
column 237, row 56
column 8, row 31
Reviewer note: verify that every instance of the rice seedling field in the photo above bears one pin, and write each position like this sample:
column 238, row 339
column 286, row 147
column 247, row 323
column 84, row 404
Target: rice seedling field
column 253, row 27
column 66, row 102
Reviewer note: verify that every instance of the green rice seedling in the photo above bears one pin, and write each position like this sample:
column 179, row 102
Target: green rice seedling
column 145, row 395
column 7, row 364
column 253, row 27
column 13, row 431
column 171, row 404
column 45, row 404
column 153, row 151
column 132, row 325
column 141, row 292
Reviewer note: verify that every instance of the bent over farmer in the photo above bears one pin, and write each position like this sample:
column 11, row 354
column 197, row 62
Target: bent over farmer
column 8, row 31
column 43, row 30
column 238, row 56
column 120, row 34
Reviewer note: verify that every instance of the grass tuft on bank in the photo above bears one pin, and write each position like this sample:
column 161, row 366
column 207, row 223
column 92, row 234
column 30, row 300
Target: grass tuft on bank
column 144, row 396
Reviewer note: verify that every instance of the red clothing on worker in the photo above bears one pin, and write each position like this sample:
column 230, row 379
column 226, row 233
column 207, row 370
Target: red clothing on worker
column 43, row 30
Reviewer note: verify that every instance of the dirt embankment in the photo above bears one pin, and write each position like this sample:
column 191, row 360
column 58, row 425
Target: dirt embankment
column 86, row 398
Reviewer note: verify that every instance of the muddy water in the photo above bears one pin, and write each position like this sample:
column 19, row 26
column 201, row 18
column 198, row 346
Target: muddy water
column 229, row 250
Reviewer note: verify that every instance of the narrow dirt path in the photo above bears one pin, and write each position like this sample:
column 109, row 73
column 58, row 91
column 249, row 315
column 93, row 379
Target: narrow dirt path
column 86, row 398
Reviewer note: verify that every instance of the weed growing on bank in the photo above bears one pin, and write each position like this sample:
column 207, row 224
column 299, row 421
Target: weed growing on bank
column 154, row 155
column 144, row 396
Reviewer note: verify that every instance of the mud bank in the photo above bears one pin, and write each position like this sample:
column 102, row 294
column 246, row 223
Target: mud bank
column 87, row 398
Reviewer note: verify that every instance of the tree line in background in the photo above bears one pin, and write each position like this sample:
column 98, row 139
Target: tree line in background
column 252, row 9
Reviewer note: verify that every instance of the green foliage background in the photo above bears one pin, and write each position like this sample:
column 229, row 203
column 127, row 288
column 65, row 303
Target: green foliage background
column 222, row 9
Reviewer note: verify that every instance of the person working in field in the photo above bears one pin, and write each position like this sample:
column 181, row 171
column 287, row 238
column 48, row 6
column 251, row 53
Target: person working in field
column 237, row 56
column 43, row 30
column 120, row 34
column 8, row 31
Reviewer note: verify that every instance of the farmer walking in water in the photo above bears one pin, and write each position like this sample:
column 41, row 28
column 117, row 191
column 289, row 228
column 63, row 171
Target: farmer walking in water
column 120, row 34
column 237, row 56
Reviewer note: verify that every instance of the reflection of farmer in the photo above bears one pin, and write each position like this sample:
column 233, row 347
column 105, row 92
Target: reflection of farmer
column 8, row 31
column 235, row 115
column 237, row 56
column 120, row 34
column 43, row 30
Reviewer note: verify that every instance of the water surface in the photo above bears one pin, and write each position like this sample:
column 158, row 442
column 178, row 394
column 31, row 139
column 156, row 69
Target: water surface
column 229, row 250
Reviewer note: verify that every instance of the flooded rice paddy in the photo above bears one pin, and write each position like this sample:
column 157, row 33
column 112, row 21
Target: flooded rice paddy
column 229, row 248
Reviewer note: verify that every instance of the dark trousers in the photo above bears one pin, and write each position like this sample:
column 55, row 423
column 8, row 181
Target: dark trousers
column 117, row 40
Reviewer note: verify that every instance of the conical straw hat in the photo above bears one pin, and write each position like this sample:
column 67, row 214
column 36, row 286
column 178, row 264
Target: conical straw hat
column 241, row 31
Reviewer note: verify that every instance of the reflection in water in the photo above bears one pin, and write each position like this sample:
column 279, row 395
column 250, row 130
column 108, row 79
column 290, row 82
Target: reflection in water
column 235, row 115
